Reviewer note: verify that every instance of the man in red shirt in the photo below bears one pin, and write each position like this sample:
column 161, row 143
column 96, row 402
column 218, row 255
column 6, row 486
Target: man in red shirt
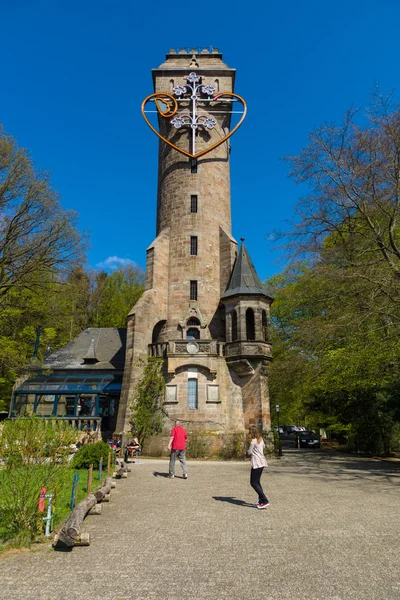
column 177, row 446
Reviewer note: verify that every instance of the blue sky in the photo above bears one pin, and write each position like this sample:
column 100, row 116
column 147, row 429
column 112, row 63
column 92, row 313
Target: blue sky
column 74, row 75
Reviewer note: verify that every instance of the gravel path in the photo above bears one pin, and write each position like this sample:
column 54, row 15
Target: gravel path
column 332, row 532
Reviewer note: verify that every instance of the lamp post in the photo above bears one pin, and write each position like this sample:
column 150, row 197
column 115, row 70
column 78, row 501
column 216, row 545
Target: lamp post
column 277, row 408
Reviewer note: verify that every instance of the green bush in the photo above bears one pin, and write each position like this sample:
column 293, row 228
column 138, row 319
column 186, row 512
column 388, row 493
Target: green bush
column 90, row 454
column 234, row 447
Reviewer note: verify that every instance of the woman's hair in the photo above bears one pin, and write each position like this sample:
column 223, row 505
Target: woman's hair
column 256, row 433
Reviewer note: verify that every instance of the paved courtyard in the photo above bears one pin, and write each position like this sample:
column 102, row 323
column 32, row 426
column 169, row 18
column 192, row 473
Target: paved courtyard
column 332, row 532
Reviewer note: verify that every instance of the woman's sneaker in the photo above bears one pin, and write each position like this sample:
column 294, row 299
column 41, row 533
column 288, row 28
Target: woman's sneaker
column 262, row 505
column 185, row 476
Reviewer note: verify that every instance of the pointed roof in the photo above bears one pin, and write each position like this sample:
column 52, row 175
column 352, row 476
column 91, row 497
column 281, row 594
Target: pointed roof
column 244, row 279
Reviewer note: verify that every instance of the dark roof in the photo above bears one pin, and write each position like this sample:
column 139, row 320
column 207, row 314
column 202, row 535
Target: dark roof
column 244, row 279
column 95, row 348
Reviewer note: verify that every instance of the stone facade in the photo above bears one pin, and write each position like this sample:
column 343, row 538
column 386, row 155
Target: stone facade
column 214, row 381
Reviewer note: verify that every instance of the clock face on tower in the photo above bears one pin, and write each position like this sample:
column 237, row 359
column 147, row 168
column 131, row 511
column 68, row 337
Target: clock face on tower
column 192, row 347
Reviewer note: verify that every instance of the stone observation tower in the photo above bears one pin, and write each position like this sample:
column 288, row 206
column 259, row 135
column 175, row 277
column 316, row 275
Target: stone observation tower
column 204, row 310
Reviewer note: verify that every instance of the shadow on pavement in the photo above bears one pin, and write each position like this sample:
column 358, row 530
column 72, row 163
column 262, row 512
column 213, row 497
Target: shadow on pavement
column 233, row 500
column 158, row 474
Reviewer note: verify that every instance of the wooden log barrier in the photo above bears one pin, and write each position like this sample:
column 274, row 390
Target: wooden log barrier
column 118, row 474
column 103, row 490
column 70, row 535
column 72, row 526
column 83, row 540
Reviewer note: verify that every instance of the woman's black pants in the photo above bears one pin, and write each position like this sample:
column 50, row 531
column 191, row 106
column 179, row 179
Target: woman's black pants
column 255, row 476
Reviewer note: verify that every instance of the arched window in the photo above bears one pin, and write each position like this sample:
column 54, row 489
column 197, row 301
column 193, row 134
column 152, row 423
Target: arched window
column 250, row 329
column 234, row 326
column 193, row 322
column 264, row 326
column 158, row 331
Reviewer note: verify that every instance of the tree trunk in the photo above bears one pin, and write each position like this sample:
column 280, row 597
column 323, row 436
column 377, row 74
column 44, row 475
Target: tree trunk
column 72, row 526
column 103, row 490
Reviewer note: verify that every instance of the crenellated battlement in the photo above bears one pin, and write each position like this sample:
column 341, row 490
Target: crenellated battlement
column 196, row 50
column 194, row 58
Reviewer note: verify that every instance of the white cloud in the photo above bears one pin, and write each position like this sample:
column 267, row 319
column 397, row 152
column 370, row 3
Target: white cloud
column 115, row 262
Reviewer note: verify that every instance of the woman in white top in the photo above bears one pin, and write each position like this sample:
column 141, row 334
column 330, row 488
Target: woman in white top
column 258, row 462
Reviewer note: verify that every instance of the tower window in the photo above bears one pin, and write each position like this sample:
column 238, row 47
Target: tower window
column 193, row 245
column 265, row 326
column 193, row 290
column 193, row 321
column 193, row 333
column 234, row 326
column 250, row 325
column 193, row 204
column 192, row 393
column 193, row 165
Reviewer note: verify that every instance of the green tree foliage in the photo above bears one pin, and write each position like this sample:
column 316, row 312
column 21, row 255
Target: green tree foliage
column 329, row 370
column 62, row 309
column 336, row 313
column 35, row 453
column 117, row 293
column 147, row 416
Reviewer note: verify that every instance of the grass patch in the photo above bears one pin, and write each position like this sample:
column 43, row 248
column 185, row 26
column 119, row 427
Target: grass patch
column 62, row 487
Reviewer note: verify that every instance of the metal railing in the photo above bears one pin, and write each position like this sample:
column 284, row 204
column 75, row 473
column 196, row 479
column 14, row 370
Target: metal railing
column 83, row 423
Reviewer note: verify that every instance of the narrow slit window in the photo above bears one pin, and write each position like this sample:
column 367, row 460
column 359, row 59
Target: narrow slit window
column 192, row 393
column 193, row 245
column 193, row 204
column 193, row 290
column 193, row 166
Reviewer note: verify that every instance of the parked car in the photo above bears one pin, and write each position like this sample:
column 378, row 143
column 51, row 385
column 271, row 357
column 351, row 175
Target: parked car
column 308, row 439
column 290, row 428
column 278, row 429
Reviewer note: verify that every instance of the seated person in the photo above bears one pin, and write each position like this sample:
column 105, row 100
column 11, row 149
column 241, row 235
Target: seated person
column 133, row 447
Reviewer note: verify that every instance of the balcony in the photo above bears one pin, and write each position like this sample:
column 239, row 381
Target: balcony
column 248, row 349
column 194, row 347
column 158, row 350
column 186, row 347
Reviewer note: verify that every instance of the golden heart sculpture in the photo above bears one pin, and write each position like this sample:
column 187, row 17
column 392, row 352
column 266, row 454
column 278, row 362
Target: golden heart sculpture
column 167, row 107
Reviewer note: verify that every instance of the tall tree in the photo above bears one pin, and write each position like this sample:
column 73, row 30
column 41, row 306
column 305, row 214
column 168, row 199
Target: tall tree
column 37, row 236
column 330, row 368
column 147, row 414
column 351, row 208
column 337, row 317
